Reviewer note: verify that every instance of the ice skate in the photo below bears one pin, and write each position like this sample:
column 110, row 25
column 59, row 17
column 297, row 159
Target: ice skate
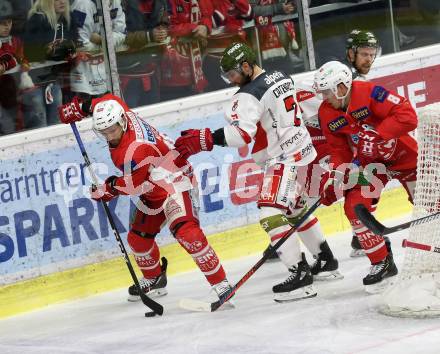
column 326, row 265
column 154, row 287
column 380, row 276
column 297, row 286
column 221, row 289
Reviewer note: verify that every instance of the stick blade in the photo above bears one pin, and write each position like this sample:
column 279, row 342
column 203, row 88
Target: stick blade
column 195, row 305
column 368, row 219
column 153, row 305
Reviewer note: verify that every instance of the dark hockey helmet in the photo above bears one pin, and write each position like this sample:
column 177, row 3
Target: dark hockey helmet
column 234, row 55
column 361, row 38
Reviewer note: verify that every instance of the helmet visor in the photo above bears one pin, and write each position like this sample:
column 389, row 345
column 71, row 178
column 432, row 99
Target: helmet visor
column 231, row 76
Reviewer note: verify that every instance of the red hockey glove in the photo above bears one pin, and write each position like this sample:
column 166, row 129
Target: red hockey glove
column 104, row 192
column 71, row 112
column 192, row 141
column 331, row 187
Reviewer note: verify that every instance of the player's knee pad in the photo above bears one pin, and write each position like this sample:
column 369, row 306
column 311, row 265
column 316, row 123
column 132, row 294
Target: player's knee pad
column 190, row 236
column 146, row 253
column 274, row 222
column 354, row 197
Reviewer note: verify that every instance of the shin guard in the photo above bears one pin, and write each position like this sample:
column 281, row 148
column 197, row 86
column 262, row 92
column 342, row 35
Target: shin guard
column 194, row 241
column 146, row 253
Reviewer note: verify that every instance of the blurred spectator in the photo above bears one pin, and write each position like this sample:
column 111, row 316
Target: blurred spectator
column 147, row 25
column 181, row 67
column 228, row 20
column 20, row 9
column 277, row 40
column 88, row 77
column 49, row 35
column 11, row 55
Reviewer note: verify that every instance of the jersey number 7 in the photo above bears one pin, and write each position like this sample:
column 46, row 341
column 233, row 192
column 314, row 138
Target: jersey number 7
column 290, row 105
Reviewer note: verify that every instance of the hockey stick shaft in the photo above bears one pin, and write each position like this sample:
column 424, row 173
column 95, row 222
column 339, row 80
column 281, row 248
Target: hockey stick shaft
column 420, row 246
column 272, row 250
column 153, row 305
column 378, row 228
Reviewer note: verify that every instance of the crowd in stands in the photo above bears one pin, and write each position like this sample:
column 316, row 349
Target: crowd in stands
column 52, row 50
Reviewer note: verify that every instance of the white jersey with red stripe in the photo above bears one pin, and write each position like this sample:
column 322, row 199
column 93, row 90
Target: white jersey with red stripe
column 266, row 111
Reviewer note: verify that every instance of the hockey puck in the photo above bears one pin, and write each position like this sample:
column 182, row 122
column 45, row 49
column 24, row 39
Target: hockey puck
column 150, row 314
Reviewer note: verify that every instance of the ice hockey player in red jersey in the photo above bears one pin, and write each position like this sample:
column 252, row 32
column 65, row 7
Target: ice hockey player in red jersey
column 167, row 191
column 265, row 110
column 365, row 125
column 362, row 48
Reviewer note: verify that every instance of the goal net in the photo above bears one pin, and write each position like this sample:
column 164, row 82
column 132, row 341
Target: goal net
column 416, row 292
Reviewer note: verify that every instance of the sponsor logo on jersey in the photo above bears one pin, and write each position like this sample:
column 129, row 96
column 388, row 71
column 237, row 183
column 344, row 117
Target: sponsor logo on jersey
column 148, row 133
column 297, row 136
column 379, row 93
column 361, row 113
column 307, row 150
column 273, row 78
column 142, row 129
column 304, row 95
column 283, row 88
column 235, row 105
column 269, row 189
column 337, row 123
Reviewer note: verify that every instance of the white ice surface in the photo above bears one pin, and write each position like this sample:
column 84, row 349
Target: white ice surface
column 341, row 319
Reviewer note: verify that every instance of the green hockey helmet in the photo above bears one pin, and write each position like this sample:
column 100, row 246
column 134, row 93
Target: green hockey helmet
column 234, row 55
column 361, row 38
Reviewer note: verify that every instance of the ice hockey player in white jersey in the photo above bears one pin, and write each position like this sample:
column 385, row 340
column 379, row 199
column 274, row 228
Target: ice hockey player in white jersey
column 265, row 110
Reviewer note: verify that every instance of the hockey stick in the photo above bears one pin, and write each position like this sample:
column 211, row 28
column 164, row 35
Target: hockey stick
column 374, row 225
column 153, row 305
column 420, row 246
column 196, row 305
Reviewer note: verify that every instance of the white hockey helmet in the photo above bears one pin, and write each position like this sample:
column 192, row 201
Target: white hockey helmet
column 330, row 75
column 108, row 113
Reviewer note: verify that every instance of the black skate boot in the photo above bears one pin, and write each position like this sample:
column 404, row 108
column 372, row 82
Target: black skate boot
column 153, row 287
column 297, row 286
column 273, row 257
column 356, row 248
column 376, row 281
column 326, row 265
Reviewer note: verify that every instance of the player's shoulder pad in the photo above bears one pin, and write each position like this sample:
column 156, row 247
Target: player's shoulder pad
column 262, row 83
column 379, row 93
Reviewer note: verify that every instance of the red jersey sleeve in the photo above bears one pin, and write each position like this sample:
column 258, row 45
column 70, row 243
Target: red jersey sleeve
column 398, row 116
column 340, row 149
column 135, row 178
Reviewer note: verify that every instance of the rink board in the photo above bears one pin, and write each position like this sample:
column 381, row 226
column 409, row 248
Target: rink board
column 52, row 235
column 112, row 274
